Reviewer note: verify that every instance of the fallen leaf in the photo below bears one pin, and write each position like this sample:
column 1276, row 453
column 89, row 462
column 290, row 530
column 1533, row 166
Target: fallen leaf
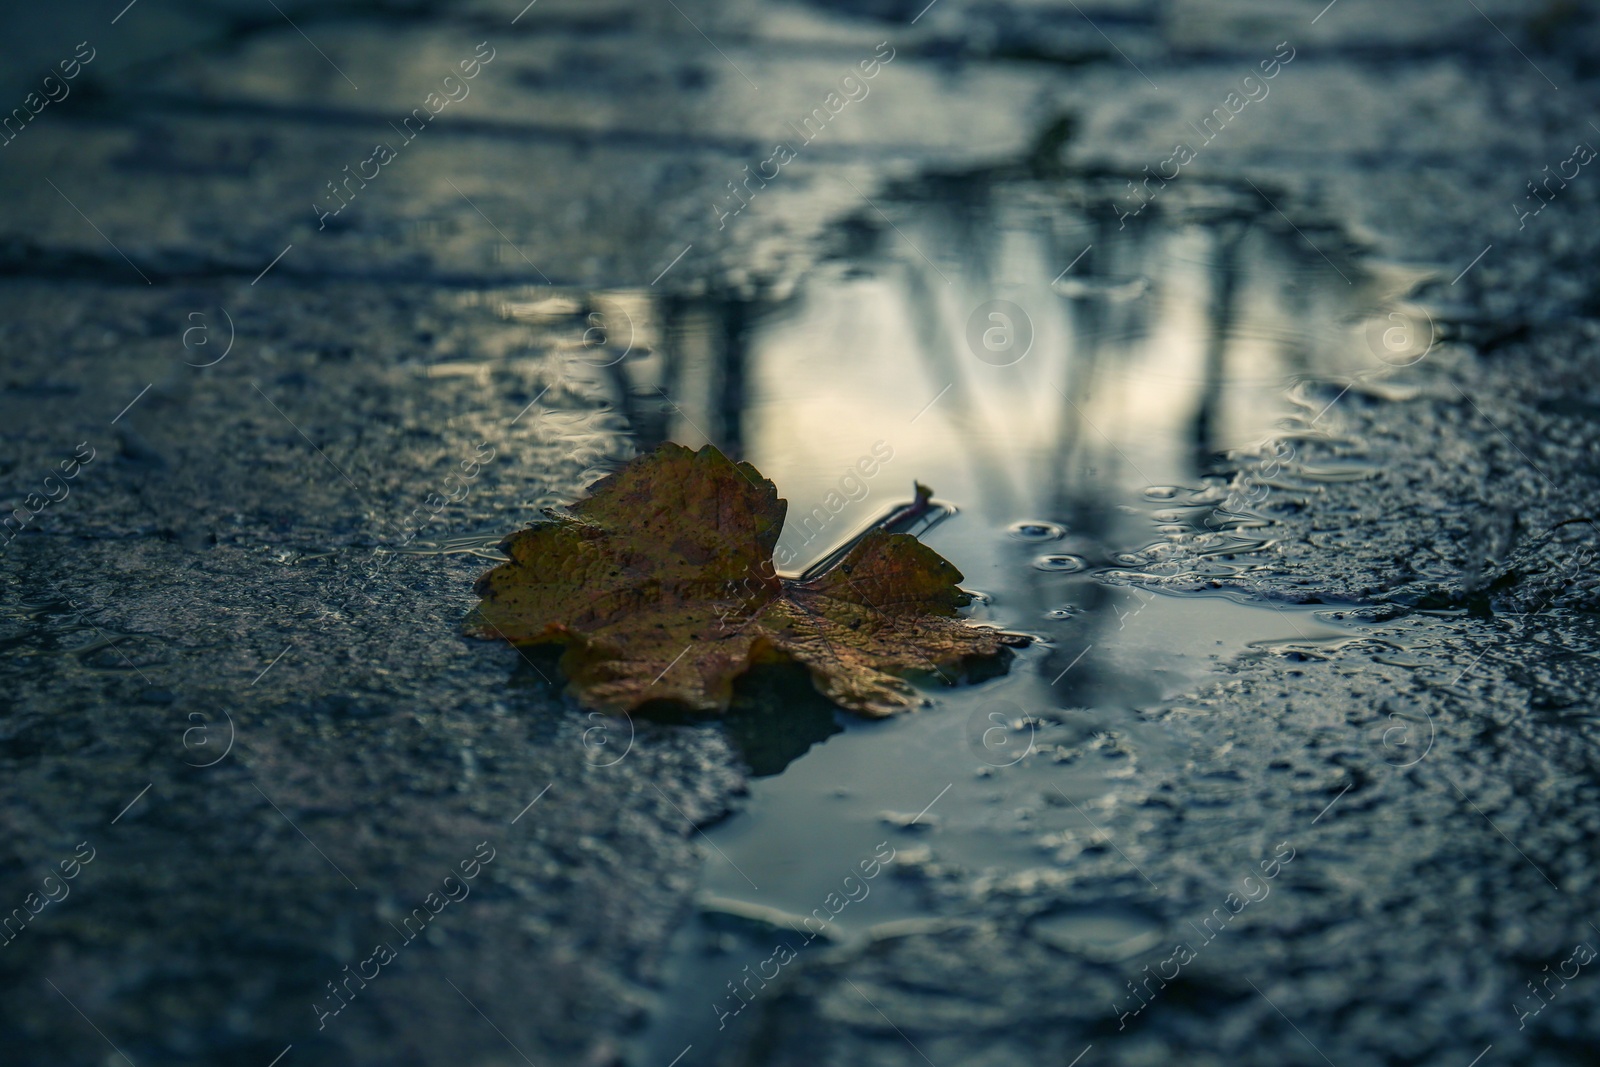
column 661, row 586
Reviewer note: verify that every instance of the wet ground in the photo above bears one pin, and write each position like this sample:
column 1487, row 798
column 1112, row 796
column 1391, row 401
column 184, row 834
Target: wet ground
column 1283, row 447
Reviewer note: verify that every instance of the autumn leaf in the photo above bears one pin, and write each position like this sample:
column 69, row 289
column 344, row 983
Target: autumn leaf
column 661, row 586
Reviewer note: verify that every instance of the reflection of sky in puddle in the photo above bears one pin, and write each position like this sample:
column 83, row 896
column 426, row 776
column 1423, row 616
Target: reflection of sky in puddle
column 1122, row 385
column 1160, row 348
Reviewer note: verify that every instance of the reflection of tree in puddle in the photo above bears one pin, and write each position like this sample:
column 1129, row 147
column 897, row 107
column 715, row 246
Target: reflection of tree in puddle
column 1161, row 345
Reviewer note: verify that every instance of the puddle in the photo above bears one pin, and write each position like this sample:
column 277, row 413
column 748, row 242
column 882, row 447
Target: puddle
column 1070, row 388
